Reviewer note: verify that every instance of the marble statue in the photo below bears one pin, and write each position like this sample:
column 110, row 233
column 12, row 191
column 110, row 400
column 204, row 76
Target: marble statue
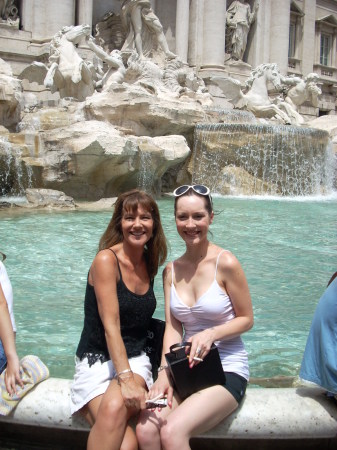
column 301, row 91
column 8, row 11
column 10, row 96
column 114, row 60
column 238, row 21
column 256, row 99
column 144, row 30
column 68, row 73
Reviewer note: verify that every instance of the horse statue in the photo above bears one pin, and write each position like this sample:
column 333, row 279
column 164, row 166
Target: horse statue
column 66, row 71
column 256, row 98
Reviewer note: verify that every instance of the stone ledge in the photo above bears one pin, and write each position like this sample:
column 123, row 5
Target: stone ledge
column 274, row 418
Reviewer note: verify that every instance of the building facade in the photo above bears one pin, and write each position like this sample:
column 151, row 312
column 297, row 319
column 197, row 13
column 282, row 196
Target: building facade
column 299, row 35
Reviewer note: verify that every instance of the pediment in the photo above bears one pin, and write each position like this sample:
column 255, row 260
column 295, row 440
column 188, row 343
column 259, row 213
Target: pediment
column 330, row 19
column 295, row 9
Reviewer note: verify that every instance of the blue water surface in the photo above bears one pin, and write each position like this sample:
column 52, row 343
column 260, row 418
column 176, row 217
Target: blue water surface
column 288, row 249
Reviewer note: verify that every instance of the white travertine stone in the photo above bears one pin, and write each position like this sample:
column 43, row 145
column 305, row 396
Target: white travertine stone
column 44, row 19
column 195, row 34
column 85, row 10
column 182, row 27
column 274, row 413
column 214, row 34
column 260, row 43
column 308, row 38
column 279, row 40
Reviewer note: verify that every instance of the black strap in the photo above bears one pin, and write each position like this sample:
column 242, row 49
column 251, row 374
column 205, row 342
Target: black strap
column 119, row 269
column 180, row 345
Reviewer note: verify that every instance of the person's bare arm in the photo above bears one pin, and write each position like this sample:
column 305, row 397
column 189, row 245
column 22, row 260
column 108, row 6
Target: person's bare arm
column 12, row 375
column 231, row 277
column 173, row 334
column 104, row 273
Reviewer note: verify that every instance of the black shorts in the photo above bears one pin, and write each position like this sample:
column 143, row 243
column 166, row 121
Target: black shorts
column 236, row 385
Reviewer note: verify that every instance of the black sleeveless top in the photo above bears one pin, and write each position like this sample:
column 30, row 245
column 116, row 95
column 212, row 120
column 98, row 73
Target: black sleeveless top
column 135, row 314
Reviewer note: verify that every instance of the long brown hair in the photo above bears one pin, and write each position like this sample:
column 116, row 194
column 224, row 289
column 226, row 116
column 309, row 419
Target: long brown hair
column 156, row 247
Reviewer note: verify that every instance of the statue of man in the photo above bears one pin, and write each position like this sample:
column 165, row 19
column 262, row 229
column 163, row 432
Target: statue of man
column 137, row 14
column 238, row 21
column 303, row 90
column 116, row 71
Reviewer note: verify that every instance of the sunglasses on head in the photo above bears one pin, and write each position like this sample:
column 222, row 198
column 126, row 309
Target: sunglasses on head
column 198, row 188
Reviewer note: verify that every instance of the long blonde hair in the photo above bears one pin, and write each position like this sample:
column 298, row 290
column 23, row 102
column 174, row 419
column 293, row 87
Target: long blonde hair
column 156, row 247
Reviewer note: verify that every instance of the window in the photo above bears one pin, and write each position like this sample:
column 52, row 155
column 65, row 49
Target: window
column 292, row 40
column 325, row 50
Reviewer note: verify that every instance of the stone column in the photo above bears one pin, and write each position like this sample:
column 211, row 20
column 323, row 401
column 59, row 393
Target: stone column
column 259, row 35
column 44, row 19
column 195, row 35
column 85, row 10
column 214, row 34
column 279, row 33
column 26, row 14
column 182, row 28
column 308, row 40
column 84, row 16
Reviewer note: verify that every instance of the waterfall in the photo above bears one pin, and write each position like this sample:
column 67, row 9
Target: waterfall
column 15, row 176
column 263, row 159
column 146, row 178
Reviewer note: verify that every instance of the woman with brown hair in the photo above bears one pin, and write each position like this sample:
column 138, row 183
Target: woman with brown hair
column 207, row 301
column 113, row 373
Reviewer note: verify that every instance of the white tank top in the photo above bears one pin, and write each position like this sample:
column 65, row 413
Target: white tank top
column 213, row 308
column 8, row 291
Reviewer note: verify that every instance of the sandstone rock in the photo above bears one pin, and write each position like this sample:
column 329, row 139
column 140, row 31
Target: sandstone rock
column 50, row 198
column 237, row 181
column 91, row 160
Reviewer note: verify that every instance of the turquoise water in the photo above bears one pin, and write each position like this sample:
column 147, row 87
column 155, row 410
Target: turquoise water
column 288, row 249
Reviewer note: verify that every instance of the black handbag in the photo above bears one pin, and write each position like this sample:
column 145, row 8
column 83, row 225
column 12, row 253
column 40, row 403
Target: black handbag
column 154, row 344
column 207, row 373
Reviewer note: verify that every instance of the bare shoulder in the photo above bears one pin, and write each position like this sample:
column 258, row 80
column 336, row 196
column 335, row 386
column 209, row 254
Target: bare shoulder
column 104, row 262
column 167, row 272
column 228, row 261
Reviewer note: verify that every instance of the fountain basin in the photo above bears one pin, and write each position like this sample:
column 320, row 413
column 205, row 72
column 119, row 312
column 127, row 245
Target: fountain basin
column 274, row 418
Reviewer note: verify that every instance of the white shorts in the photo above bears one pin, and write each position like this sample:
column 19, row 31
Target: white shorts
column 89, row 382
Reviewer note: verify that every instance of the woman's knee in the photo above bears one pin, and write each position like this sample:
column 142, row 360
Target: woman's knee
column 146, row 432
column 171, row 436
column 112, row 412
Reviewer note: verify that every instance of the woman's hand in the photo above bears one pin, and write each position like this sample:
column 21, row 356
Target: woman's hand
column 201, row 346
column 162, row 387
column 132, row 392
column 12, row 374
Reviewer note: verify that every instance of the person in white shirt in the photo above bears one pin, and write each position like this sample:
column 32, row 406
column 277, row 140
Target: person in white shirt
column 8, row 354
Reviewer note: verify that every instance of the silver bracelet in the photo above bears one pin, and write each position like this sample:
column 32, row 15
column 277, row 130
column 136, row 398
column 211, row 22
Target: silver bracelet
column 162, row 368
column 124, row 371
